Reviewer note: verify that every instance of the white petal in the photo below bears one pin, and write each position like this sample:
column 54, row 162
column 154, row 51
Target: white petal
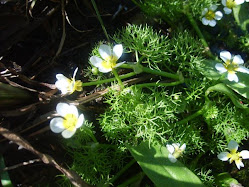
column 62, row 85
column 104, row 70
column 68, row 134
column 239, row 163
column 238, row 59
column 204, row 21
column 73, row 110
column 232, row 77
column 218, row 15
column 80, row 121
column 224, row 2
column 170, row 148
column 61, row 77
column 223, row 156
column 95, row 61
column 204, row 11
column 105, row 51
column 119, row 64
column 225, row 55
column 183, row 147
column 232, row 145
column 62, row 109
column 244, row 154
column 213, row 7
column 212, row 23
column 176, row 145
column 238, row 2
column 220, row 68
column 74, row 73
column 56, row 125
column 118, row 50
column 172, row 158
column 243, row 69
column 227, row 10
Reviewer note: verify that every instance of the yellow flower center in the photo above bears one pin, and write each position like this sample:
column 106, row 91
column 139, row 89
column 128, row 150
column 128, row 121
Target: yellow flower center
column 230, row 4
column 74, row 85
column 109, row 62
column 70, row 121
column 231, row 66
column 177, row 153
column 210, row 15
column 234, row 156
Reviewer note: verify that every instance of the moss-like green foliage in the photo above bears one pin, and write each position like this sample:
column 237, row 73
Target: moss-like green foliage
column 94, row 162
column 206, row 177
column 151, row 45
column 244, row 43
column 226, row 122
column 186, row 52
column 173, row 11
column 136, row 116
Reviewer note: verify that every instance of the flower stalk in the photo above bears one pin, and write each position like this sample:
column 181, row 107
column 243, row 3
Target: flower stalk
column 199, row 33
column 108, row 80
column 118, row 79
column 151, row 71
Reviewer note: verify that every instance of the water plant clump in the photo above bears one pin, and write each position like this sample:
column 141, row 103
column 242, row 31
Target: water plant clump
column 163, row 106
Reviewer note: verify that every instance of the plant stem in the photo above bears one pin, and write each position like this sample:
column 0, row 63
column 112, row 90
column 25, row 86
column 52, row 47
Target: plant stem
column 159, row 84
column 100, row 20
column 127, row 166
column 199, row 33
column 108, row 80
column 118, row 79
column 151, row 71
column 198, row 113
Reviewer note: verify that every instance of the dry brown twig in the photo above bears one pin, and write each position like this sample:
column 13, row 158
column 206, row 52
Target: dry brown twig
column 46, row 159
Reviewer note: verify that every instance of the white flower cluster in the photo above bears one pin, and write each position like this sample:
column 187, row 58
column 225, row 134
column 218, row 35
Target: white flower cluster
column 210, row 16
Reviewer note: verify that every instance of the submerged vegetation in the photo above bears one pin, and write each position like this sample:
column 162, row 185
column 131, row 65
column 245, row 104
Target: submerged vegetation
column 176, row 103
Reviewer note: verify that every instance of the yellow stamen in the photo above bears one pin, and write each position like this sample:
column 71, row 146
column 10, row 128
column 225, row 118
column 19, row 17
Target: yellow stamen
column 234, row 156
column 178, row 152
column 231, row 66
column 74, row 85
column 70, row 121
column 231, row 4
column 109, row 62
column 210, row 15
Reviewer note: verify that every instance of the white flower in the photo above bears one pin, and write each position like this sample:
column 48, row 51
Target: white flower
column 230, row 4
column 234, row 155
column 66, row 85
column 68, row 122
column 210, row 16
column 231, row 65
column 108, row 58
column 175, row 151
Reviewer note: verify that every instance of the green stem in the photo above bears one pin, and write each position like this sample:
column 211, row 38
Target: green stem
column 151, row 71
column 159, row 84
column 198, row 113
column 108, row 80
column 118, row 79
column 137, row 59
column 127, row 166
column 100, row 20
column 199, row 33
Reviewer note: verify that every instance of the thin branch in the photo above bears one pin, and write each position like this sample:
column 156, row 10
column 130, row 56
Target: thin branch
column 46, row 159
